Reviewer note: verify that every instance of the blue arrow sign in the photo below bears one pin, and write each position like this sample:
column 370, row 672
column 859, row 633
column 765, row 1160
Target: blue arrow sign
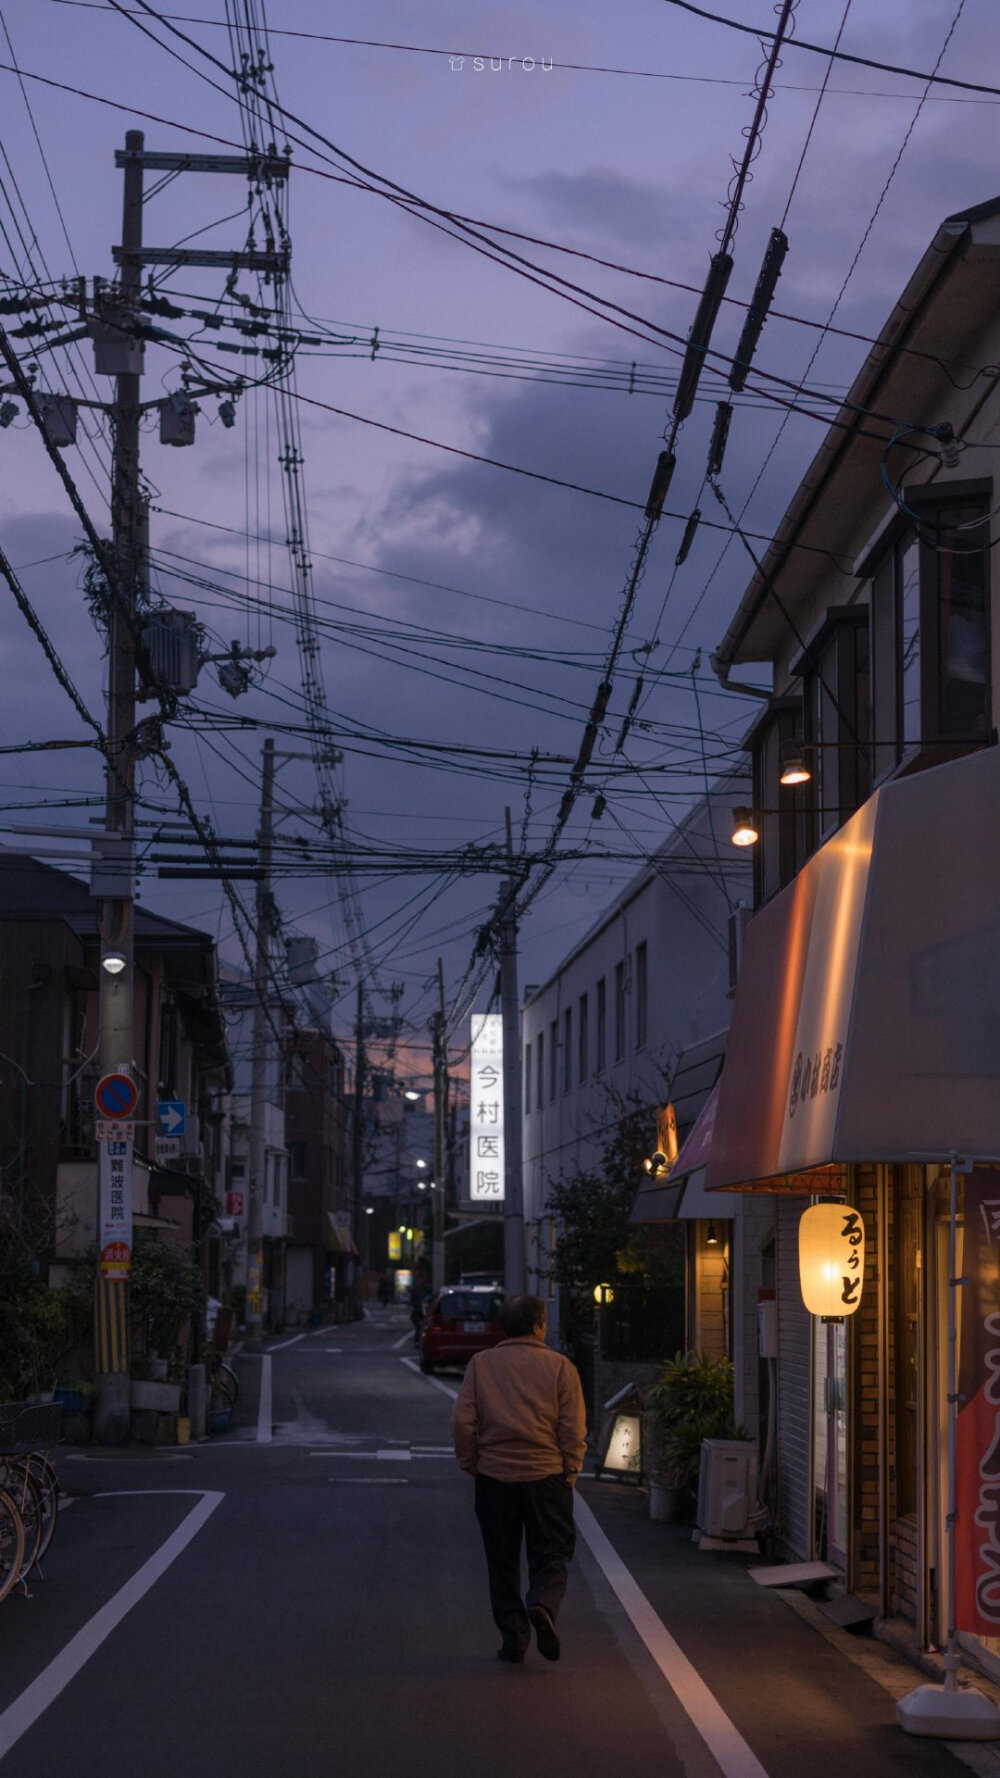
column 173, row 1115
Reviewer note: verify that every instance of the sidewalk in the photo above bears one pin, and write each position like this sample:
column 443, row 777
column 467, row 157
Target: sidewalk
column 811, row 1700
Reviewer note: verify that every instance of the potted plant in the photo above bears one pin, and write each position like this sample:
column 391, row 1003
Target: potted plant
column 690, row 1401
column 167, row 1294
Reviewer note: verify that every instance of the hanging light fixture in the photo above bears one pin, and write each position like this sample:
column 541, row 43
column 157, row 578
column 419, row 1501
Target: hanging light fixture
column 711, row 1239
column 745, row 831
column 831, row 1260
column 793, row 767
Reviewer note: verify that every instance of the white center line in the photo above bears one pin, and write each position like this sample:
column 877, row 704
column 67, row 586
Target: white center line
column 265, row 1425
column 735, row 1759
column 404, row 1340
column 35, row 1700
column 292, row 1342
column 435, row 1382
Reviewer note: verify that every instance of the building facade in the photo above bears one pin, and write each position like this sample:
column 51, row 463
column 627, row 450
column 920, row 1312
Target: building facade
column 865, row 1040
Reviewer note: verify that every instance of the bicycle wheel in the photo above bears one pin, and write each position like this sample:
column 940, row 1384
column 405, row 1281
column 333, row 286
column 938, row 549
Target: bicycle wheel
column 221, row 1393
column 11, row 1543
column 48, row 1485
column 28, row 1498
column 230, row 1381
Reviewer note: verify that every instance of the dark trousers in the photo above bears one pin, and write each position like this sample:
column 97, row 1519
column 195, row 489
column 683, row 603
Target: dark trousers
column 542, row 1514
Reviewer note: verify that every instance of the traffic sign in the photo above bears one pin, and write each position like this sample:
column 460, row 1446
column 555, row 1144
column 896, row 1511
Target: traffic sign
column 173, row 1114
column 166, row 1148
column 116, row 1096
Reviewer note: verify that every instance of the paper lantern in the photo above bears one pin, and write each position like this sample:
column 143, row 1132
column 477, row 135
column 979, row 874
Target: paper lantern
column 831, row 1260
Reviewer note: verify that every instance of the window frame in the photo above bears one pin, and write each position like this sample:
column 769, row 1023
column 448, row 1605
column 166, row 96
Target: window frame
column 882, row 563
column 601, row 1044
column 641, row 994
column 582, row 1040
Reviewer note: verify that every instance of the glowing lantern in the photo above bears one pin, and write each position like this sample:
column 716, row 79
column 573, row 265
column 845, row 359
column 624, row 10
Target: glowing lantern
column 831, row 1260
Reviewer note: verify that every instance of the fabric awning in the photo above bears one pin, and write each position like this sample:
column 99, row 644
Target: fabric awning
column 338, row 1236
column 866, row 1024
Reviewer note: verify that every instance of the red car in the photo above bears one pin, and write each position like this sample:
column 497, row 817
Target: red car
column 461, row 1321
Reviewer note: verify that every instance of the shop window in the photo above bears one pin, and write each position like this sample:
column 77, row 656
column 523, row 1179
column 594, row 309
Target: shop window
column 568, row 1050
column 930, row 639
column 581, row 1040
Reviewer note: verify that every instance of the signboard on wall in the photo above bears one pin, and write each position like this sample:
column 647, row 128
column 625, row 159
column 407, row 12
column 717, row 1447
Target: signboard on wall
column 486, row 1158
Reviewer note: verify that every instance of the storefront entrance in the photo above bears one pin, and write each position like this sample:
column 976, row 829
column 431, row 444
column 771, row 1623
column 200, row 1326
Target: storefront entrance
column 830, row 1442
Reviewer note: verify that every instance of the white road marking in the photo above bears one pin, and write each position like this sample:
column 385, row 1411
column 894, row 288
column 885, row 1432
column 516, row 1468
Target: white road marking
column 727, row 1746
column 404, row 1339
column 265, row 1427
column 35, row 1700
column 382, row 1456
column 435, row 1382
column 292, row 1342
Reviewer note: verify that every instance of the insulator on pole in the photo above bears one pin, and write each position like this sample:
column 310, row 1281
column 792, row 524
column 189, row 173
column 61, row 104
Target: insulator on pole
column 660, row 483
column 720, row 436
column 701, row 333
column 688, row 537
column 770, row 272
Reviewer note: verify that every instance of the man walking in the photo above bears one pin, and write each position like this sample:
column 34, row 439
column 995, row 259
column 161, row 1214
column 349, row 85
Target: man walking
column 519, row 1427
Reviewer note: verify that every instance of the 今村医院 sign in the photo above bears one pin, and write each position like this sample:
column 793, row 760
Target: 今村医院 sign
column 486, row 1176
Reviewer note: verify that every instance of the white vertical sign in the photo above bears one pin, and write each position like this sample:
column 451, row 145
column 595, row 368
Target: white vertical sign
column 486, row 1109
column 115, row 1233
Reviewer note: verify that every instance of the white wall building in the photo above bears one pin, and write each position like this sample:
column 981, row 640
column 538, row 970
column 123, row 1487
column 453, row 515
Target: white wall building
column 650, row 979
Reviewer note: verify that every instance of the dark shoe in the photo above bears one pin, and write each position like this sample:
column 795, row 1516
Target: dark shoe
column 514, row 1655
column 545, row 1632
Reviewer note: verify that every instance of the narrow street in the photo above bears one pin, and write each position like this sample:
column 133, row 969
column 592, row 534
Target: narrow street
column 315, row 1600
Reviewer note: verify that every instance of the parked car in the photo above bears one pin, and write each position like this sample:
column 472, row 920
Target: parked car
column 461, row 1320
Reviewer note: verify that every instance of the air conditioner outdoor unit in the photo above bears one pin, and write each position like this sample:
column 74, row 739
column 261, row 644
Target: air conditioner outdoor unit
column 727, row 1487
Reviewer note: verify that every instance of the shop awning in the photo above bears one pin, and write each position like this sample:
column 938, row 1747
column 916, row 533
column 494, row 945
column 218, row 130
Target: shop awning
column 866, row 1024
column 338, row 1236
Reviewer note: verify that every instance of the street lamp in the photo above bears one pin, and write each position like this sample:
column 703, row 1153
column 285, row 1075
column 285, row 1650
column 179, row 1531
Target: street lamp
column 113, row 962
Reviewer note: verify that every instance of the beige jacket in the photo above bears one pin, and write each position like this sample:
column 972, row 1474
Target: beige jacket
column 520, row 1414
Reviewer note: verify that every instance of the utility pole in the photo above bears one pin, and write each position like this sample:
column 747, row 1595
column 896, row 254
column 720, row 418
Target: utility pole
column 112, row 1334
column 439, row 1182
column 119, row 325
column 263, row 919
column 358, row 1120
column 515, row 1275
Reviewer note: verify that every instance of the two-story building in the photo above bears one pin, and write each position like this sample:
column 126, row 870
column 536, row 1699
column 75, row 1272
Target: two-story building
column 635, row 1016
column 864, row 1048
column 321, row 1245
column 49, row 1009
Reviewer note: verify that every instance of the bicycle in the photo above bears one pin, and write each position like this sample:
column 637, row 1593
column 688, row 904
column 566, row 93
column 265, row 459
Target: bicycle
column 11, row 1543
column 28, row 1478
column 223, row 1384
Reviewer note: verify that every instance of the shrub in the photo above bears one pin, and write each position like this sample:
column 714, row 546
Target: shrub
column 691, row 1400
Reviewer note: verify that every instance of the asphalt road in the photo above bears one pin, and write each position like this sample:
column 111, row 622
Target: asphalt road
column 308, row 1596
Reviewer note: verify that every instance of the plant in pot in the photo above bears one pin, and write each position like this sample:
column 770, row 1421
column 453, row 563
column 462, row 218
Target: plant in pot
column 690, row 1401
column 167, row 1295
